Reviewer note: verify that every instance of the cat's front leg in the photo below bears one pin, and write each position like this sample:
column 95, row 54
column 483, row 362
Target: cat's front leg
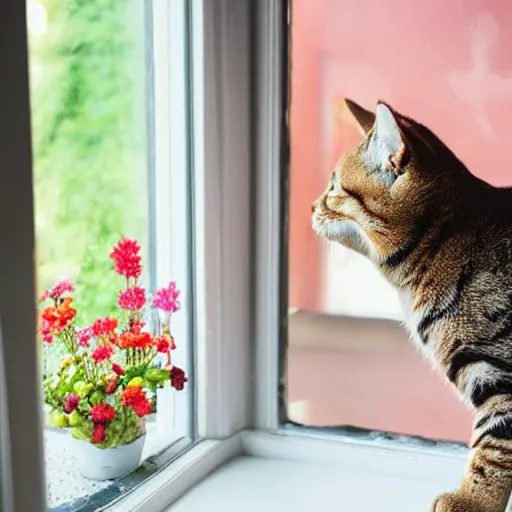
column 455, row 502
column 487, row 481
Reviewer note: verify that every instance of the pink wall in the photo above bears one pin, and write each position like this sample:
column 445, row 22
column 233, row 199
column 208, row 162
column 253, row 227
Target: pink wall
column 448, row 64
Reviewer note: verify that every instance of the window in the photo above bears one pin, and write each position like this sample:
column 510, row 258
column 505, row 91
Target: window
column 211, row 148
column 344, row 318
column 134, row 108
column 111, row 138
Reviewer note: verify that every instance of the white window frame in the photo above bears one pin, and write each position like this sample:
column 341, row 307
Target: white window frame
column 220, row 78
column 169, row 164
column 240, row 169
column 238, row 97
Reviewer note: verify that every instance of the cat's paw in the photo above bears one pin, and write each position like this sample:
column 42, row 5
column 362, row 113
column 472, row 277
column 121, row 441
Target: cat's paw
column 454, row 502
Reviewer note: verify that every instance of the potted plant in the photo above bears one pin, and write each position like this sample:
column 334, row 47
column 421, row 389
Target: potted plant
column 108, row 379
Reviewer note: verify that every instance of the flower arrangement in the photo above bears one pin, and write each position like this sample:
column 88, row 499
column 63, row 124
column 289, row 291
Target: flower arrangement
column 106, row 382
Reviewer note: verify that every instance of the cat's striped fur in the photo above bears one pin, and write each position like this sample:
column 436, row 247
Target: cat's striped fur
column 443, row 238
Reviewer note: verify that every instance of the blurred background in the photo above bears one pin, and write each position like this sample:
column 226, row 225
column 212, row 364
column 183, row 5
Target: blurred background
column 448, row 66
column 89, row 127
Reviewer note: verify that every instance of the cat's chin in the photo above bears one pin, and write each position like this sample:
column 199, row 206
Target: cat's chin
column 336, row 230
column 345, row 232
column 340, row 231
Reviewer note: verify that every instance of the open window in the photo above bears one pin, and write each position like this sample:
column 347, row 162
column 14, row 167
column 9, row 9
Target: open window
column 205, row 130
column 343, row 326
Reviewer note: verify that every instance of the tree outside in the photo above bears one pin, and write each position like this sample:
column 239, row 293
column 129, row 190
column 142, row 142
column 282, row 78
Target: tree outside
column 87, row 70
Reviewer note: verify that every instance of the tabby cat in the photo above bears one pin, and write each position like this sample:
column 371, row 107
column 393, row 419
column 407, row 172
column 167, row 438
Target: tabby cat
column 443, row 239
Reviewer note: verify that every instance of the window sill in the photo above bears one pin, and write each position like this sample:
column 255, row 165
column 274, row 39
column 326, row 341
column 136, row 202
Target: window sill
column 254, row 484
column 173, row 481
column 297, row 471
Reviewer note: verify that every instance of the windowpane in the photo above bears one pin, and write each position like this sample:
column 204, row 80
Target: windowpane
column 444, row 65
column 95, row 83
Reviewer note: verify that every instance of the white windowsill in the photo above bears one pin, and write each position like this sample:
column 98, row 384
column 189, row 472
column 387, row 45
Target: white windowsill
column 180, row 476
column 296, row 471
column 251, row 484
column 302, row 473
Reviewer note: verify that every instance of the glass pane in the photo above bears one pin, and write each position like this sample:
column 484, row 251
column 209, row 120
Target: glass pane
column 446, row 65
column 108, row 348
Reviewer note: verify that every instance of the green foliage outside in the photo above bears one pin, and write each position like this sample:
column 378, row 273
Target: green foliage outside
column 89, row 144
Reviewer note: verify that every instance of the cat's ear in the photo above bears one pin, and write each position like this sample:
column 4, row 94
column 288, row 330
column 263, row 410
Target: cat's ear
column 387, row 146
column 364, row 118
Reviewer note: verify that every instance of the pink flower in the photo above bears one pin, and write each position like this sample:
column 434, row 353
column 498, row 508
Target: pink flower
column 46, row 332
column 84, row 335
column 71, row 403
column 133, row 299
column 57, row 291
column 102, row 353
column 126, row 258
column 166, row 299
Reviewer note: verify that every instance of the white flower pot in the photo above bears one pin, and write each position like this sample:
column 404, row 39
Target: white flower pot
column 108, row 463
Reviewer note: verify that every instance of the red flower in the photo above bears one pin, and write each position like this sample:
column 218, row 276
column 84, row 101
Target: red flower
column 133, row 299
column 105, row 327
column 59, row 316
column 111, row 387
column 126, row 258
column 129, row 339
column 117, row 369
column 102, row 413
column 98, row 436
column 178, row 378
column 84, row 335
column 164, row 343
column 134, row 396
column 136, row 325
column 71, row 403
column 142, row 408
column 102, row 353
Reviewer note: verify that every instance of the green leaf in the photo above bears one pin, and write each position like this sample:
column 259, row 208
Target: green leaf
column 75, row 419
column 97, row 397
column 80, row 433
column 157, row 375
column 84, row 405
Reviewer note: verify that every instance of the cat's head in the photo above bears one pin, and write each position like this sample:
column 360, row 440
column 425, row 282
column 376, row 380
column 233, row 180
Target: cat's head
column 397, row 178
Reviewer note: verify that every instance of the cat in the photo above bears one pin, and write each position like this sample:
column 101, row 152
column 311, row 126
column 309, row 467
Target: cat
column 443, row 238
